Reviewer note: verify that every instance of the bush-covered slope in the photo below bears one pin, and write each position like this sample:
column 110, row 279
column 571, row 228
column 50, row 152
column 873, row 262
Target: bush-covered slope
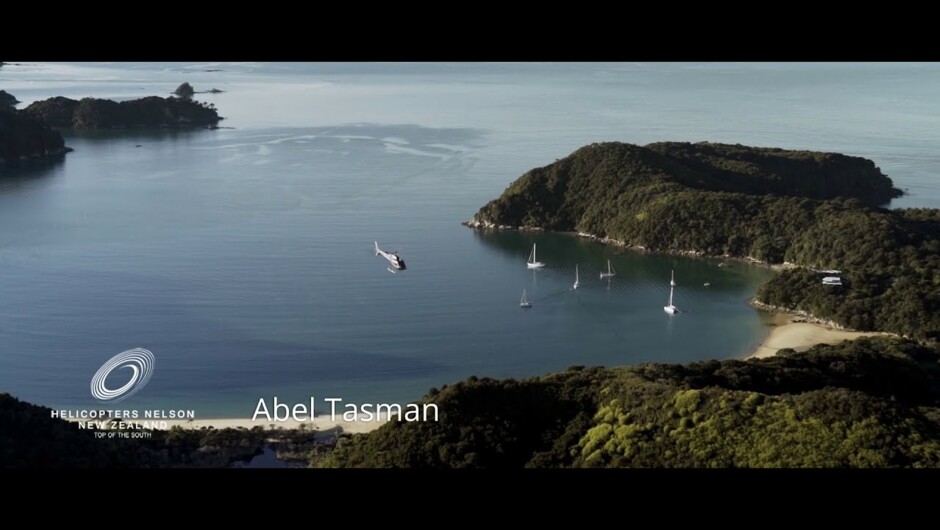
column 867, row 403
column 613, row 189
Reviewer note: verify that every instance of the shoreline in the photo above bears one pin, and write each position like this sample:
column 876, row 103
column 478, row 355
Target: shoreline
column 792, row 331
column 322, row 424
column 639, row 249
column 797, row 330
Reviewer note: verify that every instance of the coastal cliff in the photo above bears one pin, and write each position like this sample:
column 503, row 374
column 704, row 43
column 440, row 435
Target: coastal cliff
column 24, row 138
column 809, row 209
column 152, row 111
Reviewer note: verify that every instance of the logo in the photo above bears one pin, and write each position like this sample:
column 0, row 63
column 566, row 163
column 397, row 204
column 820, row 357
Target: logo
column 139, row 360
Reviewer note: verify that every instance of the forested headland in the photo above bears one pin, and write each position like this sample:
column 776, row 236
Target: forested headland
column 815, row 210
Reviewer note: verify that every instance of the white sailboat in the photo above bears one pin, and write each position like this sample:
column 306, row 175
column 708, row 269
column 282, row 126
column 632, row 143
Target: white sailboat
column 610, row 272
column 671, row 309
column 533, row 263
column 525, row 304
column 576, row 282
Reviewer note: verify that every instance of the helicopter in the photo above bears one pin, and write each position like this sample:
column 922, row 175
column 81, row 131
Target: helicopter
column 395, row 262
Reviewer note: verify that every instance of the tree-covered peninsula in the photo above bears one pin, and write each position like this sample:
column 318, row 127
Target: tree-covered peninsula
column 815, row 210
column 152, row 111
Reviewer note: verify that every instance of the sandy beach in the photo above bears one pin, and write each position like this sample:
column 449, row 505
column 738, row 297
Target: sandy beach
column 801, row 336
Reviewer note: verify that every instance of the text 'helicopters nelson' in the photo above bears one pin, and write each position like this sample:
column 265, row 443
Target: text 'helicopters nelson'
column 394, row 261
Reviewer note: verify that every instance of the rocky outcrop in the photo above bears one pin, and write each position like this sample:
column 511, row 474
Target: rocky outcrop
column 7, row 99
column 153, row 111
column 805, row 316
column 184, row 91
column 486, row 225
column 24, row 138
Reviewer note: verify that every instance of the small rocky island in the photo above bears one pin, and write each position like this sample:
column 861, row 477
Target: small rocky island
column 24, row 137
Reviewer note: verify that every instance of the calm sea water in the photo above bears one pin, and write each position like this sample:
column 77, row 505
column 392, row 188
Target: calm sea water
column 243, row 257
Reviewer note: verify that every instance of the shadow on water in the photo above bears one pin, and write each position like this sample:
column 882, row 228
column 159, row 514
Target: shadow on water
column 562, row 251
column 554, row 248
column 143, row 134
column 29, row 173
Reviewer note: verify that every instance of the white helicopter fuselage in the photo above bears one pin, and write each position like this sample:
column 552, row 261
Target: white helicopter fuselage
column 393, row 260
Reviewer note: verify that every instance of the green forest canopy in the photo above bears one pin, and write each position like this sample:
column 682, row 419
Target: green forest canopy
column 868, row 403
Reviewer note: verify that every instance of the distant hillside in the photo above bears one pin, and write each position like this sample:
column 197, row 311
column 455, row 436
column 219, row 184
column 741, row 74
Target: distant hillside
column 24, row 138
column 812, row 209
column 153, row 111
column 867, row 403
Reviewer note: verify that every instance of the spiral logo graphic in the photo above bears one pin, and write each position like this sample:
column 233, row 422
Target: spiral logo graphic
column 139, row 360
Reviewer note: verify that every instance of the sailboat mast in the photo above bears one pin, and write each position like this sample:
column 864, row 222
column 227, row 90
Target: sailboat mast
column 672, row 285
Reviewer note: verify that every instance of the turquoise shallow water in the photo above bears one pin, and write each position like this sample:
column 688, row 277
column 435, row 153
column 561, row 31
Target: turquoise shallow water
column 243, row 257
